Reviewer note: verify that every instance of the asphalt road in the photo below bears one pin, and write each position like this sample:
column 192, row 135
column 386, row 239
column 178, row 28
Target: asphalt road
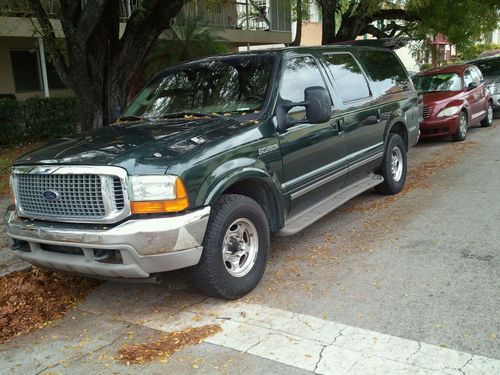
column 423, row 265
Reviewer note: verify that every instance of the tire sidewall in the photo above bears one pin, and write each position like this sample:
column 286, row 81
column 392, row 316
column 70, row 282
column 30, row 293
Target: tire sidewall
column 394, row 141
column 213, row 245
column 458, row 136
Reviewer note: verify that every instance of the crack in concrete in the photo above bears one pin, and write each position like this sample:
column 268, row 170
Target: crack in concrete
column 74, row 359
column 416, row 351
column 307, row 323
column 319, row 359
column 466, row 363
column 338, row 335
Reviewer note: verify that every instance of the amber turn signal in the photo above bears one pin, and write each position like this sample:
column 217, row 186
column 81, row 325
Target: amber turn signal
column 180, row 203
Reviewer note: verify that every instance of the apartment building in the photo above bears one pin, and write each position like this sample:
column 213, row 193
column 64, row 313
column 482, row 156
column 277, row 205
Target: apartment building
column 25, row 70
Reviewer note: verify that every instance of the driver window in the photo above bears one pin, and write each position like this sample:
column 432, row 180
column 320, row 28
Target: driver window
column 467, row 78
column 300, row 73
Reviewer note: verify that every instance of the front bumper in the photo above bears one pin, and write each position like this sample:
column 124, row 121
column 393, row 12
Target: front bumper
column 146, row 246
column 437, row 127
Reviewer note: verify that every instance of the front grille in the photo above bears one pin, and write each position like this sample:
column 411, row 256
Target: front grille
column 119, row 199
column 426, row 112
column 77, row 195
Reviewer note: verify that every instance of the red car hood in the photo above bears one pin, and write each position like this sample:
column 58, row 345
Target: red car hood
column 431, row 98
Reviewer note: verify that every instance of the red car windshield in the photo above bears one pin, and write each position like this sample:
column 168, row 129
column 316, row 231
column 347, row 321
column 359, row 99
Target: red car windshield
column 438, row 82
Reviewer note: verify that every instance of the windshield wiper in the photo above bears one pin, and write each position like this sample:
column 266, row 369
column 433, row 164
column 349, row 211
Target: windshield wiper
column 135, row 118
column 190, row 114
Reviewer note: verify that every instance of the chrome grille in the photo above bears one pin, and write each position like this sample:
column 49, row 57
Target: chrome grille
column 426, row 112
column 78, row 195
column 119, row 199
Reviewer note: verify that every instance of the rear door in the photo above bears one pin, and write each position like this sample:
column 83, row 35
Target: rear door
column 314, row 155
column 474, row 95
column 360, row 115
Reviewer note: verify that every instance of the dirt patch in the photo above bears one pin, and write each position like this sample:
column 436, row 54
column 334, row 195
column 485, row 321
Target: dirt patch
column 33, row 299
column 418, row 177
column 160, row 349
column 7, row 157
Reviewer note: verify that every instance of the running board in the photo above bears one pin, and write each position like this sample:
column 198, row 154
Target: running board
column 305, row 218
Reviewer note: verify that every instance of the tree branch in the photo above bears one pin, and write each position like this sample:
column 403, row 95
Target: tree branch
column 49, row 37
column 392, row 14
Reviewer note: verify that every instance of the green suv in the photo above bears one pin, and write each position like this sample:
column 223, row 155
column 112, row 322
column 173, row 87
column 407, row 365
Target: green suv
column 211, row 158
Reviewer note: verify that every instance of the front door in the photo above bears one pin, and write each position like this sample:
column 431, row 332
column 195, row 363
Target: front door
column 314, row 155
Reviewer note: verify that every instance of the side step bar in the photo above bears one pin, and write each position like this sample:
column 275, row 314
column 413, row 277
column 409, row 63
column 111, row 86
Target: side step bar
column 305, row 218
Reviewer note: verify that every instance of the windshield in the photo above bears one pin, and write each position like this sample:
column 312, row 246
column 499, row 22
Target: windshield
column 232, row 85
column 438, row 82
column 489, row 67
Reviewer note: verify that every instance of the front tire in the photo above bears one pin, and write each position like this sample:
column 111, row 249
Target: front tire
column 462, row 125
column 488, row 120
column 235, row 248
column 394, row 167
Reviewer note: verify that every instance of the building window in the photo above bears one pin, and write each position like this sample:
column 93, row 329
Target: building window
column 27, row 72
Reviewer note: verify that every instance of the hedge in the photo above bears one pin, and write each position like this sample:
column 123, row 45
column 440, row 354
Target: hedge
column 37, row 118
column 11, row 126
column 49, row 118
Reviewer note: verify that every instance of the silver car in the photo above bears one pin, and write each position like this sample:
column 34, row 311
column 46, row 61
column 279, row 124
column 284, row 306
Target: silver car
column 490, row 67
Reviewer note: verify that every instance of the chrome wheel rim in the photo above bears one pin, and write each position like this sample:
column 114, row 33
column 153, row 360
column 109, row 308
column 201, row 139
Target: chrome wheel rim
column 240, row 247
column 396, row 164
column 490, row 114
column 462, row 126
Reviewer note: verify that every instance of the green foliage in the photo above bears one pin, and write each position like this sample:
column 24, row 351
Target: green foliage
column 305, row 8
column 463, row 22
column 189, row 39
column 475, row 50
column 49, row 118
column 11, row 126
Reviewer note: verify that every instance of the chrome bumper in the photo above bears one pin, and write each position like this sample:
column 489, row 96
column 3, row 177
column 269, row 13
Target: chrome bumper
column 146, row 245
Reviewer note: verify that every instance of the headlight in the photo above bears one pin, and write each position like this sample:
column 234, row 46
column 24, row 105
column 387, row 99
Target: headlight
column 450, row 111
column 156, row 194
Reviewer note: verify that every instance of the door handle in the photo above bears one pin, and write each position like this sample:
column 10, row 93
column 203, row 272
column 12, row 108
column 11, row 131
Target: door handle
column 338, row 125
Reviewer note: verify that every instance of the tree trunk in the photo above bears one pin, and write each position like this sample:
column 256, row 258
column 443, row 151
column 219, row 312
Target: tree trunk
column 93, row 60
column 328, row 10
column 298, row 31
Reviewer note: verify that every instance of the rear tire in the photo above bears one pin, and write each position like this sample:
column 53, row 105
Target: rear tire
column 462, row 125
column 235, row 248
column 488, row 120
column 394, row 167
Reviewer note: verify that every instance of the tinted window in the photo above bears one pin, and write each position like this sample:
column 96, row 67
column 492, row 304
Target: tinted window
column 348, row 76
column 475, row 75
column 300, row 73
column 233, row 85
column 25, row 69
column 467, row 78
column 385, row 70
column 478, row 73
column 438, row 82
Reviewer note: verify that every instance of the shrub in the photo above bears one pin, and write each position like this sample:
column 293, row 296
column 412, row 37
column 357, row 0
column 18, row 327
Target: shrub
column 11, row 124
column 49, row 118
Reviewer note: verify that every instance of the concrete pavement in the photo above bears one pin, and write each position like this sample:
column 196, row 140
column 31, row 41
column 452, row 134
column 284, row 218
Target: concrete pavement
column 414, row 279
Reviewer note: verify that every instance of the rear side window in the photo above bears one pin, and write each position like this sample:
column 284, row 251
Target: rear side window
column 385, row 70
column 347, row 76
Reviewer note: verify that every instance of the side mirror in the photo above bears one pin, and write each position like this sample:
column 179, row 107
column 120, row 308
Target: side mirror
column 318, row 108
column 472, row 86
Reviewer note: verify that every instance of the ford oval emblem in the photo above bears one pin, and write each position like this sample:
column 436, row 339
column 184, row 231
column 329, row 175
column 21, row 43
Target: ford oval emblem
column 50, row 195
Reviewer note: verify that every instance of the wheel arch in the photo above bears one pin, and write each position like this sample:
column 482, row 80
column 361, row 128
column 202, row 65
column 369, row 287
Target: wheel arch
column 398, row 126
column 256, row 184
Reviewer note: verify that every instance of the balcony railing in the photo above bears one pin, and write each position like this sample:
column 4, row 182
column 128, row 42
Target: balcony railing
column 264, row 15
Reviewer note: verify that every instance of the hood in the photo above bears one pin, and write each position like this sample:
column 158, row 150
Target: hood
column 431, row 98
column 139, row 147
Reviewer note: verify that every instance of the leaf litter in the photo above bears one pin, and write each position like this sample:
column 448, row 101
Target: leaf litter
column 33, row 299
column 162, row 348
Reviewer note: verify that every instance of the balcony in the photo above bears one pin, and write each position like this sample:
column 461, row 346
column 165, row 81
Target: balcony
column 238, row 21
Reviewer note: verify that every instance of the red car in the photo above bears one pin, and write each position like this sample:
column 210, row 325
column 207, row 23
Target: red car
column 455, row 97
